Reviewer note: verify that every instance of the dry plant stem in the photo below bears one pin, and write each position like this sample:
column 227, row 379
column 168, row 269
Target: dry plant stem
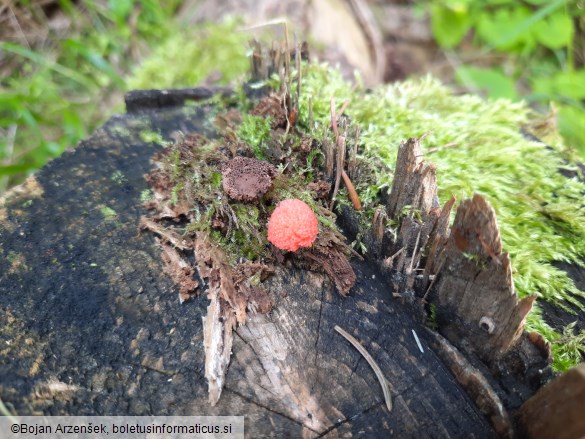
column 334, row 119
column 17, row 23
column 424, row 299
column 274, row 22
column 383, row 382
column 351, row 192
column 343, row 108
column 414, row 252
column 339, row 168
column 448, row 145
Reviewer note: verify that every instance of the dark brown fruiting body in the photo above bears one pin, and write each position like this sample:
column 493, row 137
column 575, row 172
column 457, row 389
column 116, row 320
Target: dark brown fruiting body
column 272, row 106
column 246, row 179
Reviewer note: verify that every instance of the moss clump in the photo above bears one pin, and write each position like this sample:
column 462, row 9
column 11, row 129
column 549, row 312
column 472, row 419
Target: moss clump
column 255, row 131
column 189, row 181
column 186, row 59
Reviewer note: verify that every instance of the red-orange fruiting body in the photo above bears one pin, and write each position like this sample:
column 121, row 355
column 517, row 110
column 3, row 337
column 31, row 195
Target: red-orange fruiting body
column 292, row 225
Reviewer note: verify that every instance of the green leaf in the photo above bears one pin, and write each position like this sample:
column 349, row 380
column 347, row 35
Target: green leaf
column 506, row 28
column 120, row 8
column 571, row 84
column 494, row 82
column 45, row 61
column 571, row 122
column 561, row 85
column 449, row 26
column 542, row 86
column 16, row 169
column 555, row 31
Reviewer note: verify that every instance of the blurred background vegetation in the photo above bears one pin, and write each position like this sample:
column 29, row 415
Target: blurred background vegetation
column 531, row 49
column 64, row 65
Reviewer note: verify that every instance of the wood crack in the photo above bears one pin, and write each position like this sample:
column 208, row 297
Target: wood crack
column 251, row 401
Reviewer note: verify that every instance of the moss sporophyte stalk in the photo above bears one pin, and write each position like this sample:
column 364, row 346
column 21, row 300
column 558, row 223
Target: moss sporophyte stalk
column 478, row 146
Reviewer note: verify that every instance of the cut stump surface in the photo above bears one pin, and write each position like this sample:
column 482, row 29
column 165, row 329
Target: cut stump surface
column 90, row 324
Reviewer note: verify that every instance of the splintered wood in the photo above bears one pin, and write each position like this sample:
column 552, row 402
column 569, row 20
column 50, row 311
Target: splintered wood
column 221, row 320
column 413, row 200
column 465, row 273
column 474, row 287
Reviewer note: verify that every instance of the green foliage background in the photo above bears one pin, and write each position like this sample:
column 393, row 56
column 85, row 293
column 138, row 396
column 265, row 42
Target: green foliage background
column 534, row 43
column 59, row 92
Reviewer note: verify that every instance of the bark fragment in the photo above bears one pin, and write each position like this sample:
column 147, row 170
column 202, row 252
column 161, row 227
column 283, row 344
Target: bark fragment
column 223, row 313
column 180, row 271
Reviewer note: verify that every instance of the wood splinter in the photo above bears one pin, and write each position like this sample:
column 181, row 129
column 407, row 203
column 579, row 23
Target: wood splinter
column 383, row 382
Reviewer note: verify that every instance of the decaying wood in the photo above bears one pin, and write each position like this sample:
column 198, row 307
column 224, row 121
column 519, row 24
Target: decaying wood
column 270, row 364
column 291, row 375
column 180, row 271
column 414, row 184
column 225, row 310
column 475, row 384
column 557, row 410
column 414, row 204
column 329, row 254
column 465, row 276
column 138, row 100
column 472, row 278
column 218, row 327
column 168, row 235
column 475, row 294
column 437, row 239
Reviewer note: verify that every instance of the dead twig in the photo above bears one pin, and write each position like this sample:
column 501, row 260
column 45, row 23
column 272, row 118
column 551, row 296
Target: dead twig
column 448, row 145
column 383, row 382
column 409, row 271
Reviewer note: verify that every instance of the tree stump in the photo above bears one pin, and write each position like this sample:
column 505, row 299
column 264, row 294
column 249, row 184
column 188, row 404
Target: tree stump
column 557, row 409
column 90, row 324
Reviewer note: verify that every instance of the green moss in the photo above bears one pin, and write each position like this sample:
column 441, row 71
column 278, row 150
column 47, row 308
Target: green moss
column 188, row 58
column 151, row 137
column 476, row 144
column 567, row 348
column 255, row 131
column 118, row 178
column 146, row 195
column 107, row 212
column 478, row 147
